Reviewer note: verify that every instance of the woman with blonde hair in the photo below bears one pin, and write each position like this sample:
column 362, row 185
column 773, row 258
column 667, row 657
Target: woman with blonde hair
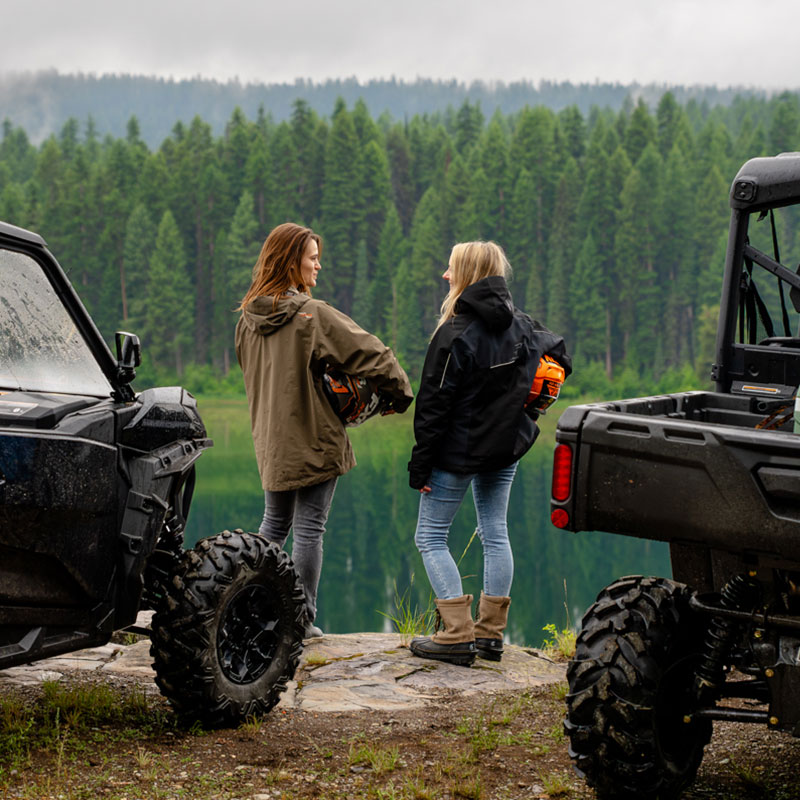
column 285, row 342
column 472, row 426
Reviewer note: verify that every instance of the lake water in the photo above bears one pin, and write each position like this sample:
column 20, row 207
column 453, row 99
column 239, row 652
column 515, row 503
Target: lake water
column 369, row 544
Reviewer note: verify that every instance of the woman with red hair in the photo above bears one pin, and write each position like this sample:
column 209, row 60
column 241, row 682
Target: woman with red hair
column 285, row 342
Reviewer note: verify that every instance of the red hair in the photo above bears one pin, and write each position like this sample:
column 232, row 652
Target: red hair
column 278, row 266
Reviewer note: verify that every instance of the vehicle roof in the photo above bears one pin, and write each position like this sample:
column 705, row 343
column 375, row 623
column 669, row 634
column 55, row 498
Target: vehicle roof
column 13, row 232
column 767, row 183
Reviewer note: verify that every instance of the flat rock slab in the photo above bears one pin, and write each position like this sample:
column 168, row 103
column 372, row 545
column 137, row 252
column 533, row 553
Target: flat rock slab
column 371, row 671
column 337, row 672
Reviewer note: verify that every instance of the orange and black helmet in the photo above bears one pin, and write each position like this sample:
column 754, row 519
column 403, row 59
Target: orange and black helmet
column 354, row 399
column 546, row 385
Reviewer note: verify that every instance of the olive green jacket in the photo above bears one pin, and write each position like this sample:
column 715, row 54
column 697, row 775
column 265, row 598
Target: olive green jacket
column 299, row 440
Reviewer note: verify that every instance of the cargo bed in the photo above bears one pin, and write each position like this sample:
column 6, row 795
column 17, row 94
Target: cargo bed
column 686, row 466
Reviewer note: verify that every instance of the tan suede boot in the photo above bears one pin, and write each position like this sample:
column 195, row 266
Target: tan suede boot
column 489, row 627
column 456, row 643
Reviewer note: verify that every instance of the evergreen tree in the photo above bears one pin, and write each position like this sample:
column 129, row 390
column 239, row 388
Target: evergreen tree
column 468, row 127
column 712, row 215
column 399, row 156
column 283, row 157
column 68, row 138
column 49, row 176
column 375, row 196
column 495, row 166
column 455, row 202
column 597, row 215
column 233, row 273
column 137, row 249
column 236, row 152
column 260, row 183
column 363, row 312
column 640, row 132
column 12, row 204
column 713, row 151
column 17, row 153
column 409, row 340
column 168, row 311
column 573, row 132
column 533, row 149
column 308, row 139
column 136, row 147
column 366, row 129
column 152, row 185
column 637, row 273
column 784, row 132
column 428, row 259
column 677, row 261
column 341, row 210
column 473, row 224
column 564, row 249
column 242, row 248
column 668, row 120
column 522, row 246
column 588, row 303
column 392, row 249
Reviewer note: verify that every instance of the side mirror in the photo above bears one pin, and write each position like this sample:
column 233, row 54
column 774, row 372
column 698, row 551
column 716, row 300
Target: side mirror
column 129, row 355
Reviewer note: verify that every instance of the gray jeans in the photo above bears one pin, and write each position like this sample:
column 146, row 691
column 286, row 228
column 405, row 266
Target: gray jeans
column 305, row 512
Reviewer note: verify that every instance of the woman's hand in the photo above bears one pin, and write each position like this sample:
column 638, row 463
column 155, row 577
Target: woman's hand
column 425, row 490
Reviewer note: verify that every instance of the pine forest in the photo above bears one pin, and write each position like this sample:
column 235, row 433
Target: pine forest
column 615, row 223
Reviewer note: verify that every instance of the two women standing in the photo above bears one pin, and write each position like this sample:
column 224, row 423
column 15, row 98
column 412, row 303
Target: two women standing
column 471, row 423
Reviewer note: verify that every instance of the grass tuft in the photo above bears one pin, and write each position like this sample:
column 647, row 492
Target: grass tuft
column 556, row 784
column 559, row 645
column 316, row 660
column 410, row 621
column 380, row 759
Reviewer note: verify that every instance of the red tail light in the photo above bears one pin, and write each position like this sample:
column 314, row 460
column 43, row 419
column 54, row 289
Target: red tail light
column 559, row 518
column 562, row 472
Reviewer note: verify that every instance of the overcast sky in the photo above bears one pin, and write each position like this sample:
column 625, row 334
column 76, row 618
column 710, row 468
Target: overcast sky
column 752, row 43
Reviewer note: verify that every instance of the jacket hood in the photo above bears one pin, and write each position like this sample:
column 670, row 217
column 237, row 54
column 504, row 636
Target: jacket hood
column 490, row 300
column 260, row 317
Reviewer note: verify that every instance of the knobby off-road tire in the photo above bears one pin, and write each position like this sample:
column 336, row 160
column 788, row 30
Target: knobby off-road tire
column 630, row 689
column 228, row 635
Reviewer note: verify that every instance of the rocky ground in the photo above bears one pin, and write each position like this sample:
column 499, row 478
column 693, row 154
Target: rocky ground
column 364, row 719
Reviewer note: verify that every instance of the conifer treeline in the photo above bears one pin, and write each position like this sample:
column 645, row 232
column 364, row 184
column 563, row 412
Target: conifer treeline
column 614, row 222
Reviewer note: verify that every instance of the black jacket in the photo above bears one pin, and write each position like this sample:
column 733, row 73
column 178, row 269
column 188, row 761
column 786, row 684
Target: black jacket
column 470, row 415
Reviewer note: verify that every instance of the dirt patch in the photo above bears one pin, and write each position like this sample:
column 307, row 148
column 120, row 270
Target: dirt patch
column 489, row 747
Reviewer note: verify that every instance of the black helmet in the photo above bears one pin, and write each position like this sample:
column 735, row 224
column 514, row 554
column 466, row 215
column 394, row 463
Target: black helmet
column 354, row 399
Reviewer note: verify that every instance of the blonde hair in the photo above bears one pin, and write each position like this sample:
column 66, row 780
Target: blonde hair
column 470, row 262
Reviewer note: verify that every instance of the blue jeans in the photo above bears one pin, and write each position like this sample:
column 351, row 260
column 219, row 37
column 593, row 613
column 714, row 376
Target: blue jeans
column 490, row 491
column 305, row 511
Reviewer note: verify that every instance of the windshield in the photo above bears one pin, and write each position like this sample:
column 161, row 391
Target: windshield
column 41, row 350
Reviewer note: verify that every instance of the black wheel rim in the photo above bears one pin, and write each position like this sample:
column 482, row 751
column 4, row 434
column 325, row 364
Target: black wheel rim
column 248, row 634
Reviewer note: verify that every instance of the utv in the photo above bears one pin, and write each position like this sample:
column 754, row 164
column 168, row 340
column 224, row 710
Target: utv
column 95, row 487
column 717, row 475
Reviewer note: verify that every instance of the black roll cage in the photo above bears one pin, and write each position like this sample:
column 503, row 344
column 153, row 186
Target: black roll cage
column 762, row 184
